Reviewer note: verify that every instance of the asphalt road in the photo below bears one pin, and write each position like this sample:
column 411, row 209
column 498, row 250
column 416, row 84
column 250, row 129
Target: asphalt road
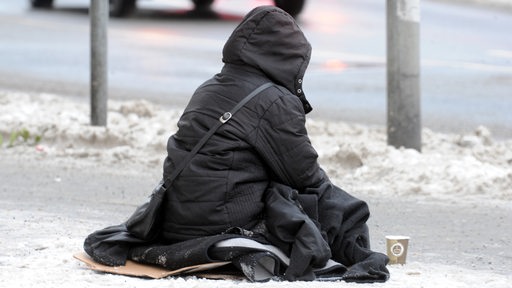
column 469, row 235
column 163, row 53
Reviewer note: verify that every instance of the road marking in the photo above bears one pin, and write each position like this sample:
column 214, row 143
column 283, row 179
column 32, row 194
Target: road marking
column 467, row 65
column 332, row 57
column 500, row 53
column 45, row 23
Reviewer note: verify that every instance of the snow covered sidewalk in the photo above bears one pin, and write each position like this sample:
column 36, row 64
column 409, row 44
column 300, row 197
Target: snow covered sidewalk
column 450, row 167
column 53, row 149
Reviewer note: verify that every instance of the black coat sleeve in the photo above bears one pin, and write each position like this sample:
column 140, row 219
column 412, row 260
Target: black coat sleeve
column 281, row 139
column 283, row 143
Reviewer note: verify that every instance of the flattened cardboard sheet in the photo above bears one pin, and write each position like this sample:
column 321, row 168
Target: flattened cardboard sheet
column 133, row 268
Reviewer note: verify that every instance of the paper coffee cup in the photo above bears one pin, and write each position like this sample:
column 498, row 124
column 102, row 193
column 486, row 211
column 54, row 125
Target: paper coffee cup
column 396, row 247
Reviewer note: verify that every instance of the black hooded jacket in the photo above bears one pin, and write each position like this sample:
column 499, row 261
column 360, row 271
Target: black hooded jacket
column 266, row 142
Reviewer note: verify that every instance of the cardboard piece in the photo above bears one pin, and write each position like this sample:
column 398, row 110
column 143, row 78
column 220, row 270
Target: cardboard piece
column 133, row 268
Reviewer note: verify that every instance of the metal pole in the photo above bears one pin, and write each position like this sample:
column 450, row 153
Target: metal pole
column 99, row 83
column 403, row 74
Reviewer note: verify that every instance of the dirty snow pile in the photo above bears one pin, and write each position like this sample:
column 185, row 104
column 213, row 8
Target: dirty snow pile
column 53, row 128
column 450, row 167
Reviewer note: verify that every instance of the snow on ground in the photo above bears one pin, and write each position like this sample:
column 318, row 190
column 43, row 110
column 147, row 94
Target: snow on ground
column 451, row 167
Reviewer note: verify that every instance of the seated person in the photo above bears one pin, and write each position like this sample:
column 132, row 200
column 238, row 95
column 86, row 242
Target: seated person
column 260, row 169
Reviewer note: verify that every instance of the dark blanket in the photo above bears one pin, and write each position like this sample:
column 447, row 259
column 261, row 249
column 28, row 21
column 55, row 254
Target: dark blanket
column 257, row 261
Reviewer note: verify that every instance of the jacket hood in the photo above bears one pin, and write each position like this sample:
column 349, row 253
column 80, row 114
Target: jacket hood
column 270, row 40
